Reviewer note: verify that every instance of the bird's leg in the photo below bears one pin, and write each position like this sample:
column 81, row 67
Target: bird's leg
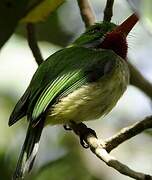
column 82, row 131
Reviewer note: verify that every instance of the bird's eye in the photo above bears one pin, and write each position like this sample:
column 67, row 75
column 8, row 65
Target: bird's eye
column 97, row 29
column 94, row 30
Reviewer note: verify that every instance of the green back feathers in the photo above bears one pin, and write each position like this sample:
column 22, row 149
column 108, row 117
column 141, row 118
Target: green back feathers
column 93, row 33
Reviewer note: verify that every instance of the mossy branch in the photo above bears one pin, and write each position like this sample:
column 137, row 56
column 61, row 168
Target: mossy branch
column 138, row 80
column 32, row 41
column 86, row 12
column 108, row 11
column 101, row 148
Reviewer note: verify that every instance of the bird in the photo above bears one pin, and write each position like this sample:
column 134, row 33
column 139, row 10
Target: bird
column 78, row 83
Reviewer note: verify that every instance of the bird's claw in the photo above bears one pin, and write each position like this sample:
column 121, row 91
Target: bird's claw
column 87, row 131
column 83, row 143
column 82, row 131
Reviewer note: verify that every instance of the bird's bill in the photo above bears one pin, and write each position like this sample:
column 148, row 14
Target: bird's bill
column 127, row 25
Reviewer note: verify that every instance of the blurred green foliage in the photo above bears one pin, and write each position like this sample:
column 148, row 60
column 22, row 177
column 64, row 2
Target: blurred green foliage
column 68, row 167
column 13, row 11
column 51, row 31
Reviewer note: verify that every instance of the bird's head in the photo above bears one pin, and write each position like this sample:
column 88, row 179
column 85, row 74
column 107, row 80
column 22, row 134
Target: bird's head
column 107, row 35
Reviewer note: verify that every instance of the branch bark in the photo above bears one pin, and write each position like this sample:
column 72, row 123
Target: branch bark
column 86, row 11
column 127, row 133
column 137, row 79
column 108, row 11
column 100, row 147
column 32, row 41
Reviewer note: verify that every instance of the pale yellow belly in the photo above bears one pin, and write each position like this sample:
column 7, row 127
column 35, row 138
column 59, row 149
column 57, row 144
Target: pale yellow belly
column 91, row 101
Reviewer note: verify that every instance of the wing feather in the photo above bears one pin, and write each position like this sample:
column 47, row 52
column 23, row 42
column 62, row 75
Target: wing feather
column 53, row 90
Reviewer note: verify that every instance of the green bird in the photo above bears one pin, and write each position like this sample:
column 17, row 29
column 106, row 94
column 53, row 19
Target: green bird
column 79, row 83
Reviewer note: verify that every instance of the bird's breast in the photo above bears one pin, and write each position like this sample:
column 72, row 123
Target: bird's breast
column 93, row 100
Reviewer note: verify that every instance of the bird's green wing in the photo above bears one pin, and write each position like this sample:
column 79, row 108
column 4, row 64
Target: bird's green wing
column 62, row 86
column 20, row 108
column 70, row 69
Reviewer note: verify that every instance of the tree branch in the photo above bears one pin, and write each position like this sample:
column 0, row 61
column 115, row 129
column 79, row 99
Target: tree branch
column 86, row 11
column 111, row 161
column 127, row 133
column 33, row 43
column 136, row 79
column 101, row 148
column 108, row 11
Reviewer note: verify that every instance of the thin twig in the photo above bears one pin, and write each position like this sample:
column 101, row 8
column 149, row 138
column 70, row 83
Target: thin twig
column 86, row 11
column 98, row 148
column 127, row 133
column 33, row 43
column 111, row 161
column 108, row 11
column 139, row 81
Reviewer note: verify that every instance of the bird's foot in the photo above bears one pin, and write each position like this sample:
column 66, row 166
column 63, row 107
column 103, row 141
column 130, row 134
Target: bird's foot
column 83, row 132
column 83, row 136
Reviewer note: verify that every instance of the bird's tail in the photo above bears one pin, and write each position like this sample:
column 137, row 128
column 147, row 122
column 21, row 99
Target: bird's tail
column 29, row 150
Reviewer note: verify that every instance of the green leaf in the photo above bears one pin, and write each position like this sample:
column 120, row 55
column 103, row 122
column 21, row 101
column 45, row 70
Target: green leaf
column 41, row 10
column 56, row 33
column 10, row 13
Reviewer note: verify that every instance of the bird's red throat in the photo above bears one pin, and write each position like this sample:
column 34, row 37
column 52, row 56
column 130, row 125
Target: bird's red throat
column 116, row 40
